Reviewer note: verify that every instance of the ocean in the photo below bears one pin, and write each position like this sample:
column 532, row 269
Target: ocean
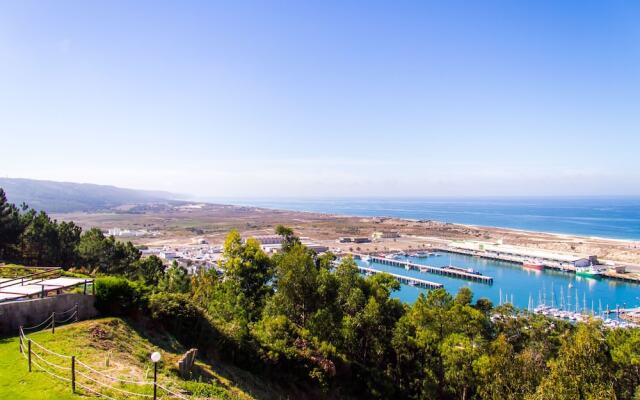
column 610, row 217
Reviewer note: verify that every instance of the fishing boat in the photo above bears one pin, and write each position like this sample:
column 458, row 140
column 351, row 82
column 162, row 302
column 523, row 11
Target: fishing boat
column 365, row 258
column 534, row 265
column 590, row 271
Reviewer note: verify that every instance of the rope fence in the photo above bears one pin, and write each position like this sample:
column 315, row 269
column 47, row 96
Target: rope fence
column 77, row 373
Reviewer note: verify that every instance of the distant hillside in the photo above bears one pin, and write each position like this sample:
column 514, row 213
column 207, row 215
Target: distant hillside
column 68, row 197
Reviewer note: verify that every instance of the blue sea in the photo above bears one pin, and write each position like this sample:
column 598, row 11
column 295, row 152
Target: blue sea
column 611, row 217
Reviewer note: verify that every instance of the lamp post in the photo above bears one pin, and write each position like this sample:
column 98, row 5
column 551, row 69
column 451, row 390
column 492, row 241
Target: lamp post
column 155, row 357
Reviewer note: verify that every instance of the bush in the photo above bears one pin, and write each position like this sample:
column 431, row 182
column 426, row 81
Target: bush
column 117, row 295
column 180, row 316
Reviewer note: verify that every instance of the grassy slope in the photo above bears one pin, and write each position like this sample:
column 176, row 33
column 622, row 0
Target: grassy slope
column 127, row 350
column 17, row 383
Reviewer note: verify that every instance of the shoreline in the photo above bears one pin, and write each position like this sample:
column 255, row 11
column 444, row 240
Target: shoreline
column 474, row 226
column 179, row 226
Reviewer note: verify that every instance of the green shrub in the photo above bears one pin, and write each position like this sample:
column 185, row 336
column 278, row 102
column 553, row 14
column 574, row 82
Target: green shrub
column 187, row 322
column 117, row 295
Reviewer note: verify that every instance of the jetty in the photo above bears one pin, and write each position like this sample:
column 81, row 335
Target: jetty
column 444, row 271
column 407, row 280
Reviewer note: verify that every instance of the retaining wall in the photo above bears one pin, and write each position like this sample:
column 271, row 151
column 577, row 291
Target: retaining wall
column 32, row 312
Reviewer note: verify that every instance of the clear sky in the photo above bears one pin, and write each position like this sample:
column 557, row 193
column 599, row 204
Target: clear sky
column 326, row 98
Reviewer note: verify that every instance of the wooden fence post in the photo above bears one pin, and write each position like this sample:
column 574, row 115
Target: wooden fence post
column 53, row 322
column 29, row 355
column 73, row 374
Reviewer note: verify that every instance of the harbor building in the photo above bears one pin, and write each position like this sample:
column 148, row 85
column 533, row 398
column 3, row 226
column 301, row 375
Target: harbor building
column 276, row 248
column 519, row 254
column 354, row 239
column 168, row 255
column 266, row 239
column 385, row 235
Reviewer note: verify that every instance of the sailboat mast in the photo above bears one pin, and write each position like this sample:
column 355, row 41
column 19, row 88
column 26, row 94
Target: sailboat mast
column 600, row 307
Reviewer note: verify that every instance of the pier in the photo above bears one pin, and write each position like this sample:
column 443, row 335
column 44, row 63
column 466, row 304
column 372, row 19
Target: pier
column 404, row 279
column 444, row 271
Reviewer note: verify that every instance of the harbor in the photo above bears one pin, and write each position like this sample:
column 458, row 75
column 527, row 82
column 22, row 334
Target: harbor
column 512, row 283
column 575, row 264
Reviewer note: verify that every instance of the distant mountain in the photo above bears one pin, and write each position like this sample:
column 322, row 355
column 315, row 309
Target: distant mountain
column 68, row 197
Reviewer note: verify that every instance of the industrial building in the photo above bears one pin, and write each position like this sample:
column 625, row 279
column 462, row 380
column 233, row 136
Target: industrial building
column 519, row 253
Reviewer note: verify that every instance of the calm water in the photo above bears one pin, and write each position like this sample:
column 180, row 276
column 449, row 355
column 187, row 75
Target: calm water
column 617, row 217
column 520, row 283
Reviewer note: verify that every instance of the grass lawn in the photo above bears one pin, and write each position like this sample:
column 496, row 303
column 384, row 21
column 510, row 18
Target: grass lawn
column 120, row 349
column 17, row 383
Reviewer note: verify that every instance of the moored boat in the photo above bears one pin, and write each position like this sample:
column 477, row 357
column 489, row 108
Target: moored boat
column 534, row 265
column 590, row 271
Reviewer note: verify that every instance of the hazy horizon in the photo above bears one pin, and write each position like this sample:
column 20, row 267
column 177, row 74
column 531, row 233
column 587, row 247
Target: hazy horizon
column 331, row 99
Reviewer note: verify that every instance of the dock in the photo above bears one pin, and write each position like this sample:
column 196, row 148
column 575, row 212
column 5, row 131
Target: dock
column 407, row 280
column 444, row 271
column 631, row 278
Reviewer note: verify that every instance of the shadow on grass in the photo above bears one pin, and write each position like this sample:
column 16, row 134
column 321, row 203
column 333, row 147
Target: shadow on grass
column 208, row 368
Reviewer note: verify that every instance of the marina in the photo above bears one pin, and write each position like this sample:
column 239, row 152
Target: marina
column 514, row 284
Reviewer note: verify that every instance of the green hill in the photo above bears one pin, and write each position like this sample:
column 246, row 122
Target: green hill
column 120, row 349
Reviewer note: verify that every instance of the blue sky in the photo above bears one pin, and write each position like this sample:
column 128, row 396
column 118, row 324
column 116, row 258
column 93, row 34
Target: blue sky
column 324, row 98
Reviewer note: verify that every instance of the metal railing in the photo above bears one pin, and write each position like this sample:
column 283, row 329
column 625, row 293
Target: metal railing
column 31, row 278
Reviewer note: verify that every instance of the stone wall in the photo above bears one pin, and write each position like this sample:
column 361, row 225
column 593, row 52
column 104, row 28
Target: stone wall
column 32, row 312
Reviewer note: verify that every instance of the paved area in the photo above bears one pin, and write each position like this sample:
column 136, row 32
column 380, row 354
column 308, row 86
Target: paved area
column 15, row 289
